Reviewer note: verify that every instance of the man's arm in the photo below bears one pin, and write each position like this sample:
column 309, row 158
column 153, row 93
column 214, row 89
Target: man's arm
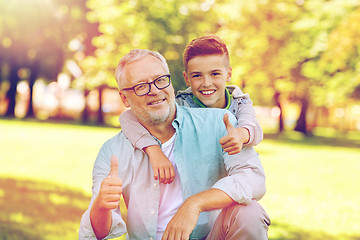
column 185, row 219
column 108, row 199
column 88, row 226
column 245, row 181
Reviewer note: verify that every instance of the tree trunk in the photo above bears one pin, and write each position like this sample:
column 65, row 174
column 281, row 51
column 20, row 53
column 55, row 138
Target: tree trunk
column 32, row 79
column 1, row 79
column 100, row 118
column 281, row 116
column 85, row 113
column 11, row 94
column 301, row 125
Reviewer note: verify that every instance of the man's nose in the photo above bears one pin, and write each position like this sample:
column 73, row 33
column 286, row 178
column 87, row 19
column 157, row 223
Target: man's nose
column 153, row 89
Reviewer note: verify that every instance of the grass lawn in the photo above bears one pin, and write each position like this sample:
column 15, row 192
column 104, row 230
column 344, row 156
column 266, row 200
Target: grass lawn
column 45, row 181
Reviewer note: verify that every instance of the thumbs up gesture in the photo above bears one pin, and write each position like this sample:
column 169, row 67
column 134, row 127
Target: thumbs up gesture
column 233, row 142
column 111, row 187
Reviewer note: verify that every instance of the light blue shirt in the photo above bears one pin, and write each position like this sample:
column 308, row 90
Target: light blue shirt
column 202, row 164
column 238, row 103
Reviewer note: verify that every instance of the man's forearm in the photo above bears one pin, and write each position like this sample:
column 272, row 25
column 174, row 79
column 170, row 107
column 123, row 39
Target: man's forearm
column 210, row 200
column 185, row 219
column 101, row 221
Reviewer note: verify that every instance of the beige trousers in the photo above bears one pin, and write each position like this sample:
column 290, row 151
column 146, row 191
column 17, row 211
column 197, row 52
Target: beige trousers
column 241, row 222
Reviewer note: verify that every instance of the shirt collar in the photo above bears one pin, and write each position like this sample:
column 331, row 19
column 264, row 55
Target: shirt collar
column 179, row 116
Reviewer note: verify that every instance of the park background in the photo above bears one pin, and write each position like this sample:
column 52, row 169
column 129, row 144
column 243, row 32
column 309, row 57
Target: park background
column 298, row 59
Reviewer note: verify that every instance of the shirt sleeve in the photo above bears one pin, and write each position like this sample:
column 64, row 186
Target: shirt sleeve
column 100, row 171
column 136, row 133
column 246, row 117
column 245, row 178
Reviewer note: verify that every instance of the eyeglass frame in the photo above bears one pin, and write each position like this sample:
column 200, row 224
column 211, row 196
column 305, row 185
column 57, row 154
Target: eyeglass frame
column 149, row 84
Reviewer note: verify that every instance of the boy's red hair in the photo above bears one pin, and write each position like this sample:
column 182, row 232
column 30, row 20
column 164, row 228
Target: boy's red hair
column 206, row 45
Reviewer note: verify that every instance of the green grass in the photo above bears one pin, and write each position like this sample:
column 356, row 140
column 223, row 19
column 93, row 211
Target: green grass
column 313, row 186
column 45, row 181
column 45, row 177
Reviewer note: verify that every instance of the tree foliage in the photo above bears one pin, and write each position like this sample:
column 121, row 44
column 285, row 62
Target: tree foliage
column 300, row 51
column 163, row 26
column 36, row 35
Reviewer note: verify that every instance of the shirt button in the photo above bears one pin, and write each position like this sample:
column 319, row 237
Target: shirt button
column 152, row 212
column 150, row 238
column 155, row 185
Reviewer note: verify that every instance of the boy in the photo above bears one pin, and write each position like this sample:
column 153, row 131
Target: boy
column 207, row 69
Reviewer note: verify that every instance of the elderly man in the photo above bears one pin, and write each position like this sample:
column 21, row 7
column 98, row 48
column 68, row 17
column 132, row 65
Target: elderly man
column 207, row 178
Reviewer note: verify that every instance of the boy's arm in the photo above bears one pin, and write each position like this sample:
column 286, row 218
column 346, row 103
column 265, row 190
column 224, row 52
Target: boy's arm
column 140, row 138
column 162, row 167
column 233, row 142
column 246, row 117
column 136, row 133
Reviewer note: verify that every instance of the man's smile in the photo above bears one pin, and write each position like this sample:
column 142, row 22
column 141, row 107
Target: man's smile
column 156, row 102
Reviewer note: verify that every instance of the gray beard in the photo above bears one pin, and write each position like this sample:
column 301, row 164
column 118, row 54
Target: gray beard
column 153, row 118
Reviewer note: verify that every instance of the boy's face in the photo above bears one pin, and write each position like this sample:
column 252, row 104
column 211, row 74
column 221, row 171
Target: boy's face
column 207, row 77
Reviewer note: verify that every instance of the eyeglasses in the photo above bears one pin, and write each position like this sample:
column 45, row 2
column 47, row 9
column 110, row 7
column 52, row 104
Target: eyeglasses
column 144, row 88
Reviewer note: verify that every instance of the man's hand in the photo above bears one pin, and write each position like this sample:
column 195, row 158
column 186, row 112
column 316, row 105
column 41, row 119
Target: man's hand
column 183, row 222
column 111, row 188
column 233, row 142
column 163, row 168
column 108, row 198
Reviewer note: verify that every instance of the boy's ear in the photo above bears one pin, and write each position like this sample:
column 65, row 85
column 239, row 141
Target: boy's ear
column 124, row 99
column 187, row 81
column 229, row 74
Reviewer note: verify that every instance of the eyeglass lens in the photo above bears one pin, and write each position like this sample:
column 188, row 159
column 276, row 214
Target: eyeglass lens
column 160, row 83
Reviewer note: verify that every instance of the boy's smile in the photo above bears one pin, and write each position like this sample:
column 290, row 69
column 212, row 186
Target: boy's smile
column 207, row 77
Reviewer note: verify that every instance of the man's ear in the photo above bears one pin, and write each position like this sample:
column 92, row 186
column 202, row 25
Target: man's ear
column 229, row 74
column 187, row 81
column 124, row 99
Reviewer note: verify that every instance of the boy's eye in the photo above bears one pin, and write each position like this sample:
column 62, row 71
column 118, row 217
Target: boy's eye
column 216, row 74
column 196, row 75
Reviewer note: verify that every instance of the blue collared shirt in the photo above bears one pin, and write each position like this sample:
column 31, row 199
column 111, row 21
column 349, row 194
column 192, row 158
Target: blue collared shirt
column 202, row 164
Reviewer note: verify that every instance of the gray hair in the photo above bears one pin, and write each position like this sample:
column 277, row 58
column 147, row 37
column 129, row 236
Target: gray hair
column 132, row 56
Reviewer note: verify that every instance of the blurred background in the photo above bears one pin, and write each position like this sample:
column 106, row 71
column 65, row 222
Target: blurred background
column 298, row 59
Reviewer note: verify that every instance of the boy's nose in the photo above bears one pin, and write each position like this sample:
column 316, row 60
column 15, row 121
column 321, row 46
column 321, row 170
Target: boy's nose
column 206, row 81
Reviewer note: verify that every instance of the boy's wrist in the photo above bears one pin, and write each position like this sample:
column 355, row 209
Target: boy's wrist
column 149, row 150
column 245, row 133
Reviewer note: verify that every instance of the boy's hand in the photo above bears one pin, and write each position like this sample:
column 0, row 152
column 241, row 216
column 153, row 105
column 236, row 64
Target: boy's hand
column 233, row 142
column 163, row 168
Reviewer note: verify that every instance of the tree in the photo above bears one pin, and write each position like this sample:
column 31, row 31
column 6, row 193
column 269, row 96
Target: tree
column 37, row 35
column 259, row 33
column 163, row 26
column 278, row 49
column 318, row 29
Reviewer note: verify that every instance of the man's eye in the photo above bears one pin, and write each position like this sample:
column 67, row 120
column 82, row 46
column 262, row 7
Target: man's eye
column 216, row 74
column 140, row 87
column 161, row 80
